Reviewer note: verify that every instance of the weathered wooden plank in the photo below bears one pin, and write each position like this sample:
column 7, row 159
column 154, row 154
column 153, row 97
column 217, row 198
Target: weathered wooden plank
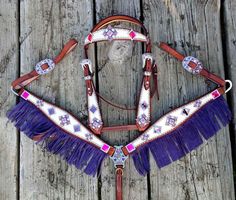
column 9, row 66
column 45, row 27
column 193, row 27
column 119, row 78
column 229, row 31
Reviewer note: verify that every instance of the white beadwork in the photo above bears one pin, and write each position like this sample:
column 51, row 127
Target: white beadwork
column 66, row 121
column 143, row 114
column 93, row 103
column 170, row 121
column 119, row 34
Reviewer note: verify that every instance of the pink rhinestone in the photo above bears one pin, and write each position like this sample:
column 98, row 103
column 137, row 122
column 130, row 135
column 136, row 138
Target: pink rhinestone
column 132, row 34
column 25, row 95
column 130, row 147
column 105, row 148
column 215, row 94
column 90, row 37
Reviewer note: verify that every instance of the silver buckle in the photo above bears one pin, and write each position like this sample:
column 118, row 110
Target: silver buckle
column 146, row 56
column 40, row 70
column 197, row 69
column 147, row 73
column 87, row 78
column 119, row 157
column 86, row 62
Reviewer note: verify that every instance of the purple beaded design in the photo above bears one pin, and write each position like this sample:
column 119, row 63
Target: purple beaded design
column 39, row 103
column 96, row 123
column 51, row 111
column 64, row 120
column 144, row 105
column 76, row 128
column 145, row 137
column 110, row 32
column 171, row 120
column 93, row 109
column 197, row 104
column 89, row 136
column 157, row 129
column 143, row 120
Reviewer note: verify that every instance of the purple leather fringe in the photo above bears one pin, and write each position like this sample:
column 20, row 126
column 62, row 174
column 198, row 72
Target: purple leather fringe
column 171, row 147
column 30, row 120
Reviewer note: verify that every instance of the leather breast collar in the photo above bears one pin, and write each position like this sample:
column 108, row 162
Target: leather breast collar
column 171, row 137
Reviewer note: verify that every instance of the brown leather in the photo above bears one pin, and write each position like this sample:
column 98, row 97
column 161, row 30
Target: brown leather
column 171, row 51
column 125, row 151
column 118, row 18
column 147, row 79
column 155, row 80
column 111, row 151
column 89, row 83
column 31, row 76
column 150, row 68
column 131, row 127
column 213, row 77
column 113, row 104
column 216, row 79
column 24, row 80
column 119, row 174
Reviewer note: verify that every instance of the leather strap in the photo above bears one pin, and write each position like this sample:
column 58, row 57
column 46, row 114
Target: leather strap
column 216, row 79
column 119, row 174
column 88, row 82
column 131, row 127
column 31, row 76
column 118, row 18
column 147, row 79
column 154, row 90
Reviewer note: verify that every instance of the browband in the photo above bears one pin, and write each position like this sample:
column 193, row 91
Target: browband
column 96, row 34
column 172, row 136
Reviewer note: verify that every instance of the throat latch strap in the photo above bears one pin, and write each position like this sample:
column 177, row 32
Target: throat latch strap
column 192, row 65
column 43, row 67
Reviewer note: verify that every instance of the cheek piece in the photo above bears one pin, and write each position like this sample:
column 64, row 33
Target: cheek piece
column 169, row 138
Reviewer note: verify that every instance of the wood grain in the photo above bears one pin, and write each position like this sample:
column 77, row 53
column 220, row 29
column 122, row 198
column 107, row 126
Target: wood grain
column 31, row 31
column 119, row 78
column 9, row 67
column 229, row 30
column 193, row 28
column 45, row 27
